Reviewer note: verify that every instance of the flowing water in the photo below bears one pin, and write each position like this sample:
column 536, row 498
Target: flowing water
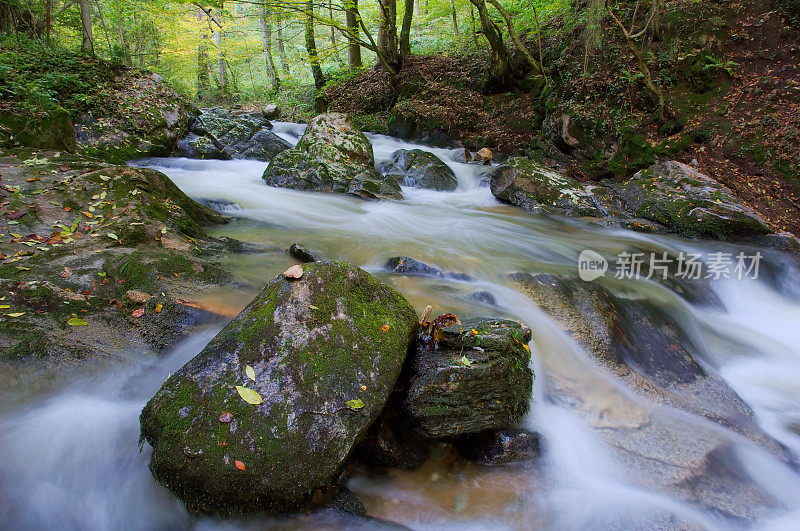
column 71, row 460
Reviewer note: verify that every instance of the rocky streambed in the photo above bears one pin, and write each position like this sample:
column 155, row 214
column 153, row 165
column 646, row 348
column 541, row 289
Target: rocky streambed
column 326, row 399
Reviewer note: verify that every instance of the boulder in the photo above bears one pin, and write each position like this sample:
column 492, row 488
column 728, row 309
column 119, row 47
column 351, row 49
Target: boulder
column 484, row 156
column 271, row 111
column 421, row 169
column 51, row 130
column 301, row 253
column 680, row 197
column 475, row 378
column 535, row 188
column 325, row 352
column 199, row 147
column 501, row 446
column 642, row 344
column 238, row 136
column 147, row 118
column 331, row 156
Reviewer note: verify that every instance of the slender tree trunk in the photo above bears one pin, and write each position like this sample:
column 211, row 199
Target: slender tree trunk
column 515, row 38
column 453, row 12
column 265, row 23
column 425, row 8
column 203, row 66
column 353, row 48
column 86, row 25
column 281, row 48
column 416, row 13
column 500, row 66
column 387, row 33
column 311, row 46
column 48, row 22
column 222, row 68
column 405, row 30
column 103, row 22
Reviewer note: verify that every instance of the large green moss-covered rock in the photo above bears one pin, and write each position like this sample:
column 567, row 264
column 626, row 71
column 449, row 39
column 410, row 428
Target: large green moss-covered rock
column 477, row 379
column 536, row 188
column 235, row 136
column 326, row 350
column 49, row 130
column 421, row 168
column 331, row 156
column 142, row 117
column 689, row 202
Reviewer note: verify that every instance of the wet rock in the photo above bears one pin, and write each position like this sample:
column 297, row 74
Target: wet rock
column 680, row 197
column 392, row 441
column 326, row 350
column 199, row 147
column 502, row 446
column 643, row 344
column 403, row 265
column 421, row 169
column 462, row 155
column 301, row 253
column 477, row 379
column 348, row 503
column 224, row 135
column 535, row 188
column 484, row 297
column 331, row 156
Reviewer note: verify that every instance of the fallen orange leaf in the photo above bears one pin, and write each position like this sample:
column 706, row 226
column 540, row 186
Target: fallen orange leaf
column 239, row 465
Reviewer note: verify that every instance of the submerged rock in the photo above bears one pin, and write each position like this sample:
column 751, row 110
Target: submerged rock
column 477, row 379
column 301, row 253
column 421, row 169
column 502, row 446
column 331, row 156
column 223, row 135
column 326, row 350
column 536, row 188
column 403, row 265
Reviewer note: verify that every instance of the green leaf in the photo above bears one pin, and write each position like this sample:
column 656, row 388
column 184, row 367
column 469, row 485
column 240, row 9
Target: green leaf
column 465, row 361
column 113, row 236
column 355, row 403
column 250, row 396
column 250, row 373
column 77, row 321
column 18, row 314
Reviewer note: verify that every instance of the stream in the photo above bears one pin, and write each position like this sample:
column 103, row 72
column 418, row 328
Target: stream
column 72, row 460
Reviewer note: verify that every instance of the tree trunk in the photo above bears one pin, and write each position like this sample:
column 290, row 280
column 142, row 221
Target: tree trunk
column 265, row 23
column 353, row 48
column 203, row 66
column 311, row 46
column 86, row 25
column 387, row 33
column 281, row 48
column 500, row 74
column 416, row 12
column 103, row 22
column 222, row 67
column 48, row 22
column 453, row 12
column 405, row 31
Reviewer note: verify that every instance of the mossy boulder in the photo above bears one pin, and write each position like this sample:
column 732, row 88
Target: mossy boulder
column 476, row 379
column 535, row 188
column 680, row 197
column 421, row 169
column 331, row 156
column 326, row 350
column 46, row 130
column 142, row 117
column 235, row 136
